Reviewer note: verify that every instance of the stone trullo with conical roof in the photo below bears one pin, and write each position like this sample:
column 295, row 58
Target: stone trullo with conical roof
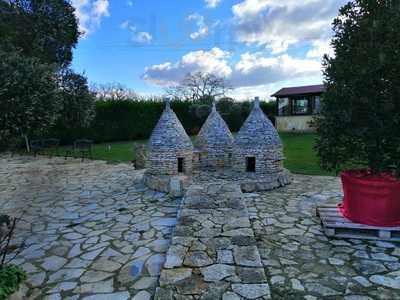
column 258, row 149
column 214, row 142
column 254, row 158
column 170, row 154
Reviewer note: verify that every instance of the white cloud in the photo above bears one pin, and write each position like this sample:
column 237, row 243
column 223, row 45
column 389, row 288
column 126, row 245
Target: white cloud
column 90, row 14
column 213, row 61
column 100, row 9
column 252, row 70
column 124, row 25
column 248, row 93
column 279, row 24
column 265, row 91
column 256, row 69
column 141, row 37
column 202, row 28
column 319, row 48
column 212, row 3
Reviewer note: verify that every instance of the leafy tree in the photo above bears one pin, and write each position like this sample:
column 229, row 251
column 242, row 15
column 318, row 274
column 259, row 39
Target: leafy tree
column 224, row 105
column 29, row 96
column 45, row 29
column 77, row 103
column 269, row 109
column 36, row 87
column 360, row 120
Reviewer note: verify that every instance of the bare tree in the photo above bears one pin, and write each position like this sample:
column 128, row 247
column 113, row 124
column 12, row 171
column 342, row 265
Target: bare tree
column 199, row 86
column 113, row 91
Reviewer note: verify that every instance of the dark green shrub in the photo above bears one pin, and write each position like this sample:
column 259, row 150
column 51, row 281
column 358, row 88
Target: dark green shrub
column 269, row 109
column 77, row 106
column 29, row 98
column 360, row 120
column 135, row 120
column 10, row 278
column 122, row 120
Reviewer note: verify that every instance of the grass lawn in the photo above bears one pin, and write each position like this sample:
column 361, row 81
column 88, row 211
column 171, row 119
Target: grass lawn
column 300, row 155
column 298, row 148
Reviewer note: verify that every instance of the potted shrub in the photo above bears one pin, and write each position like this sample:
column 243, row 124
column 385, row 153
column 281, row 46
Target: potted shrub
column 359, row 127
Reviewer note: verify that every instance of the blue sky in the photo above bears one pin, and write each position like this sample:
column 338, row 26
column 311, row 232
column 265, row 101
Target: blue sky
column 259, row 46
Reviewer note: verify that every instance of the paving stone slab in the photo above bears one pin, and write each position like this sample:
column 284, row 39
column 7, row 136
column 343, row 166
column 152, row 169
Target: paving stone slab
column 221, row 253
column 91, row 230
column 73, row 209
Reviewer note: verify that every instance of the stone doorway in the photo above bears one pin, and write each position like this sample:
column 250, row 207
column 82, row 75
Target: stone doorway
column 250, row 164
column 180, row 165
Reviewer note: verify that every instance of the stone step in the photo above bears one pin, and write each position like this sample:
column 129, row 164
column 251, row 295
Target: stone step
column 213, row 251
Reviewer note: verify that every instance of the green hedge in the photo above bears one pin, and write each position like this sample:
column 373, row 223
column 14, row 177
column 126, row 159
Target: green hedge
column 135, row 120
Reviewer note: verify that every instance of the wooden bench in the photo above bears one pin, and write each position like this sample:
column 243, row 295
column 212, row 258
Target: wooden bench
column 335, row 225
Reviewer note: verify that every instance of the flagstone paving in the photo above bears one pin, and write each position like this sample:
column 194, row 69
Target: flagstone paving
column 301, row 263
column 92, row 231
column 213, row 252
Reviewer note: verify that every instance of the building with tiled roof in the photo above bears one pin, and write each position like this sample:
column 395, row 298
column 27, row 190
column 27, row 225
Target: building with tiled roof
column 296, row 107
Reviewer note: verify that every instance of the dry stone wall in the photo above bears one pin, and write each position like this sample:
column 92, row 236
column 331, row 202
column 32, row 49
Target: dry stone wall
column 269, row 160
column 166, row 162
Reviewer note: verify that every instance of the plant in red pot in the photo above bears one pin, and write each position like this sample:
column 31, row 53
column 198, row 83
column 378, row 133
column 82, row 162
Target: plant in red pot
column 359, row 126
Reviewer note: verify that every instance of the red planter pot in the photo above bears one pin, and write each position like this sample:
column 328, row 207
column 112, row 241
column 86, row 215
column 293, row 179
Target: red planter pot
column 371, row 199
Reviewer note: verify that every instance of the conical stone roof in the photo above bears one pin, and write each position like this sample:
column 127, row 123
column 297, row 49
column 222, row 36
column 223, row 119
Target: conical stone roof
column 257, row 130
column 214, row 131
column 169, row 133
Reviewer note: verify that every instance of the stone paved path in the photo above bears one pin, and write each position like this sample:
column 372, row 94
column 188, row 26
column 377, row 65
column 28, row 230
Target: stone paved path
column 213, row 252
column 92, row 231
column 301, row 263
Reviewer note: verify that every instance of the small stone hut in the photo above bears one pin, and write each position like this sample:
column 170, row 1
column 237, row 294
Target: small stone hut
column 170, row 148
column 214, row 142
column 258, row 148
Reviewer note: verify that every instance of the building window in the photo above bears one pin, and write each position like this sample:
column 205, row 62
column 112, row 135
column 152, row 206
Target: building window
column 180, row 165
column 250, row 164
column 300, row 106
column 317, row 105
column 283, row 107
